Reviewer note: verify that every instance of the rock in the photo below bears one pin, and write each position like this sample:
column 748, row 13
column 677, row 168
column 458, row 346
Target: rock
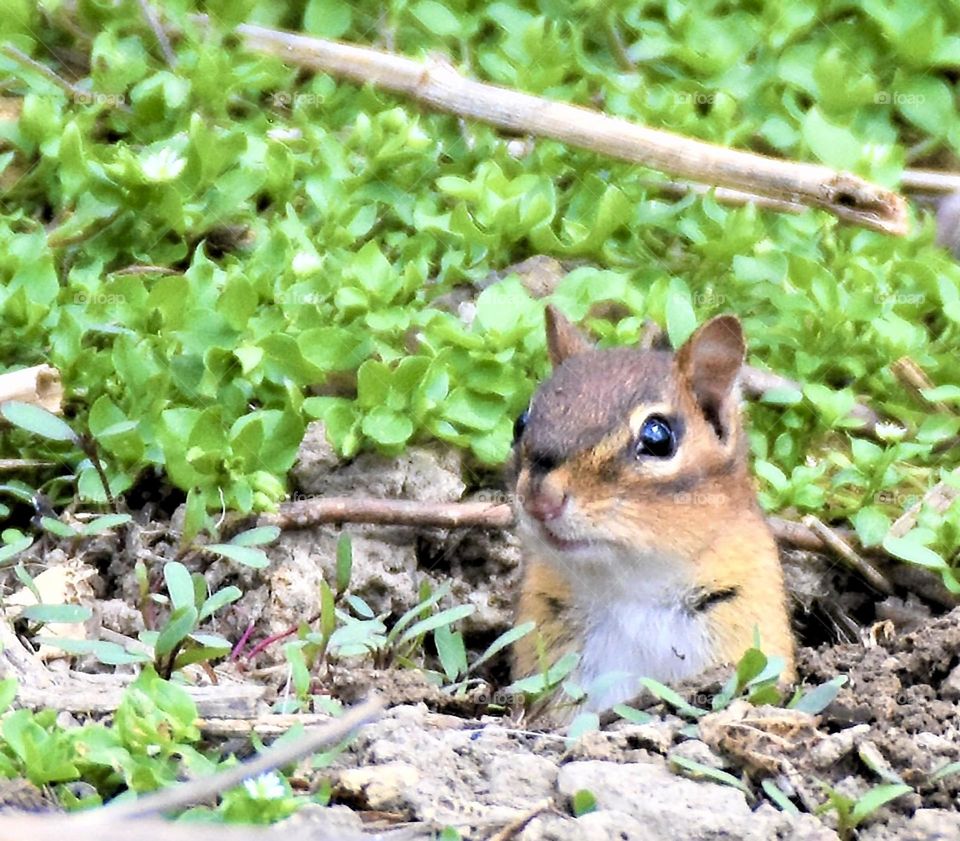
column 923, row 825
column 668, row 806
column 603, row 825
column 485, row 775
column 664, row 805
column 700, row 752
column 423, row 473
column 950, row 688
column 325, row 821
column 384, row 788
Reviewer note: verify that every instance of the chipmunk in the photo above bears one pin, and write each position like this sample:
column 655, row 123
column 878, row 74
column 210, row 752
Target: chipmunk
column 644, row 547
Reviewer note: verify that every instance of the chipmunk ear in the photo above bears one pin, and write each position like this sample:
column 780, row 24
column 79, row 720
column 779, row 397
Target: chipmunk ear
column 709, row 363
column 563, row 338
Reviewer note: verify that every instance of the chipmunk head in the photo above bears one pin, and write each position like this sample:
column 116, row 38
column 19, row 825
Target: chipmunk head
column 627, row 452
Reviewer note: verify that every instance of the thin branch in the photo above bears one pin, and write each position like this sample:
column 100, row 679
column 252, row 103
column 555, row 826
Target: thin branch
column 756, row 383
column 439, row 85
column 16, row 826
column 70, row 89
column 203, row 788
column 158, row 32
column 845, row 552
column 39, row 386
column 304, row 514
column 929, row 181
column 724, row 195
column 939, row 498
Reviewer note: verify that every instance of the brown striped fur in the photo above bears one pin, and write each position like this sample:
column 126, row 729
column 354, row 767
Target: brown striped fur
column 692, row 518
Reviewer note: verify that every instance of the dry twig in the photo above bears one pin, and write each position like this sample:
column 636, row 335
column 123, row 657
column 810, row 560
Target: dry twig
column 843, row 550
column 304, row 514
column 440, row 86
column 203, row 788
column 39, row 385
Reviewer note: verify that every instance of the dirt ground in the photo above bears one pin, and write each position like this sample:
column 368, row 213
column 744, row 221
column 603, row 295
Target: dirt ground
column 435, row 760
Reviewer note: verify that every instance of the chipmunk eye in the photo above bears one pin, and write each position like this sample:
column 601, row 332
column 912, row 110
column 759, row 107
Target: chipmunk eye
column 656, row 438
column 520, row 424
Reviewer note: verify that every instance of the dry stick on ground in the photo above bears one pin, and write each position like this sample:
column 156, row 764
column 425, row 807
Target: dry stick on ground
column 39, row 385
column 930, row 181
column 305, row 514
column 203, row 788
column 843, row 550
column 440, row 86
column 724, row 195
column 17, row 827
column 756, row 383
column 939, row 498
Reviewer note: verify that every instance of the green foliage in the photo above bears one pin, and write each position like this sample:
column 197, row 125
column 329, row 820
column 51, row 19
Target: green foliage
column 582, row 802
column 851, row 813
column 154, row 742
column 355, row 211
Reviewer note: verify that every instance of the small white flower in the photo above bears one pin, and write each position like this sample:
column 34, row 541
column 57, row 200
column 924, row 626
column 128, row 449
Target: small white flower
column 890, row 431
column 162, row 166
column 265, row 787
column 305, row 262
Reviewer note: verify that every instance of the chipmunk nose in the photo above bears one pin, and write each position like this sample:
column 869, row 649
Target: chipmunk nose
column 545, row 502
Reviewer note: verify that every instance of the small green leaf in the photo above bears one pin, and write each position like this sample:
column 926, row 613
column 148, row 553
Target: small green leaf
column 816, row 700
column 246, row 555
column 946, row 771
column 256, row 537
column 700, row 771
column 779, row 797
column 634, row 716
column 875, row 798
column 11, row 550
column 913, row 552
column 181, row 622
column 451, row 650
column 56, row 613
column 501, row 642
column 38, row 421
column 669, row 696
column 8, row 691
column 221, row 598
column 583, row 802
column 344, row 562
column 58, row 527
column 583, row 722
column 108, row 653
column 328, row 615
column 444, row 617
column 436, row 17
column 179, row 584
column 104, row 523
column 681, row 319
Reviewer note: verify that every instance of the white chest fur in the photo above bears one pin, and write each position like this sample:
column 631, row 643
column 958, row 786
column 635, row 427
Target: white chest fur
column 628, row 639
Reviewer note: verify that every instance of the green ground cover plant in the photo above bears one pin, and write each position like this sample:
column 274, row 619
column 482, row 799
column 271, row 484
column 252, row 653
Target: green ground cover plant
column 216, row 251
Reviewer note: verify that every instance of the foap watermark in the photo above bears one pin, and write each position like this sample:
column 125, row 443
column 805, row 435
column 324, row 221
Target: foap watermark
column 899, row 297
column 98, row 298
column 108, row 100
column 696, row 98
column 491, row 496
column 293, row 298
column 897, row 499
column 698, row 498
column 709, row 299
column 284, row 99
column 897, row 98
